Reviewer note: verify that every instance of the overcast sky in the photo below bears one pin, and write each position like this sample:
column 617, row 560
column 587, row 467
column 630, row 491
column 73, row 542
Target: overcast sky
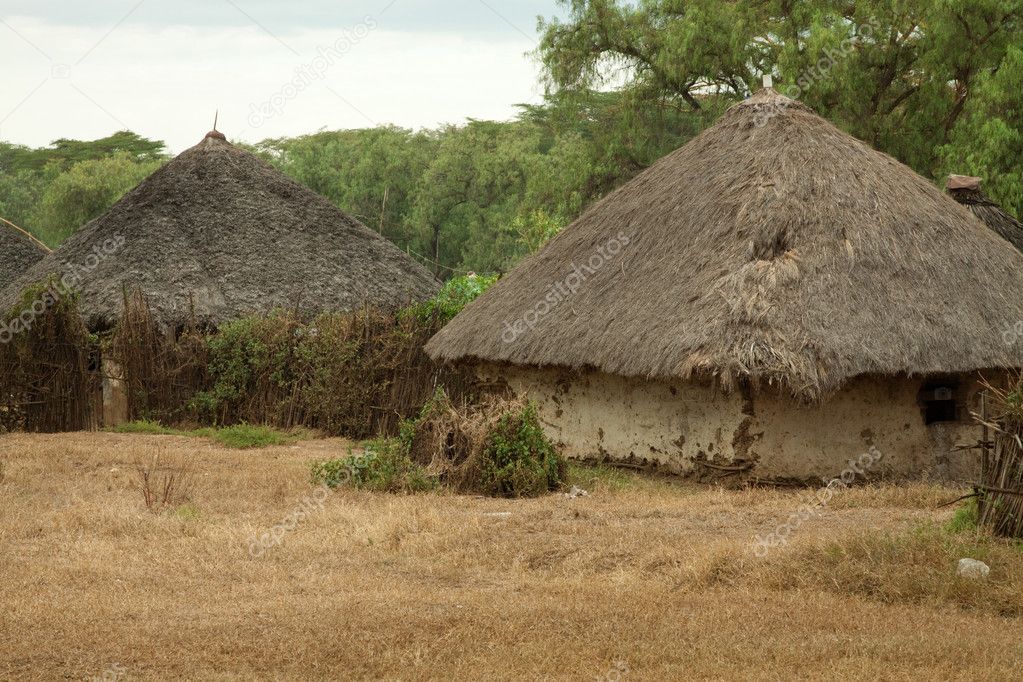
column 85, row 69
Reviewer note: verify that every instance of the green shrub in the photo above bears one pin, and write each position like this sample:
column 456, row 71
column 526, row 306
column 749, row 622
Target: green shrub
column 248, row 358
column 353, row 374
column 518, row 460
column 452, row 298
column 383, row 466
column 497, row 448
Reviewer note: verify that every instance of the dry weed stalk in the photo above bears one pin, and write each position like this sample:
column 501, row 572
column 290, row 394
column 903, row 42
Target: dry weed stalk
column 162, row 485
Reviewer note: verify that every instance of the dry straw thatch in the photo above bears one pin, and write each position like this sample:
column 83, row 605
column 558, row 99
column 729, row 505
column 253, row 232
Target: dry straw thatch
column 772, row 247
column 966, row 190
column 219, row 233
column 18, row 252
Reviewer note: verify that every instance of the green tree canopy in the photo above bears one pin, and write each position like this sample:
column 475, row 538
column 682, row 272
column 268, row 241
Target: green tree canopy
column 913, row 77
column 65, row 152
column 84, row 192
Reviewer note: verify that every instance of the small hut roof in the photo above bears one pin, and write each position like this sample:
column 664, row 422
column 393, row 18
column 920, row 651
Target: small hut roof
column 967, row 191
column 772, row 247
column 219, row 231
column 18, row 252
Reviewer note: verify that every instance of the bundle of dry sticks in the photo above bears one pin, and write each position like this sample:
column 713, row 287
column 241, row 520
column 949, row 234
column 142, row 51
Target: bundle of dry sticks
column 1000, row 490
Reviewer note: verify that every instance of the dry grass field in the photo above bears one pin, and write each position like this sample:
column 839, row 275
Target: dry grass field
column 641, row 580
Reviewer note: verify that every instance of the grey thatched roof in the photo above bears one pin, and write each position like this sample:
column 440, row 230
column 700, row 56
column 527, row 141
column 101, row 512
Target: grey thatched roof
column 966, row 190
column 219, row 230
column 772, row 247
column 18, row 252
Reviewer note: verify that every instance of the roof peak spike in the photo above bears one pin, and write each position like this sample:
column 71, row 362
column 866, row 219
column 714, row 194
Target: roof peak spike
column 216, row 134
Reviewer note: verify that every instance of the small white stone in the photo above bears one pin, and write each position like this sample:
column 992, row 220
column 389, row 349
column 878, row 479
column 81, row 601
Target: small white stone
column 575, row 492
column 971, row 568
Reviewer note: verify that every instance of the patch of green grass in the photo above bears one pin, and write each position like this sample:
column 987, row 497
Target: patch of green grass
column 152, row 428
column 240, row 437
column 187, row 512
column 965, row 519
column 246, row 436
column 594, row 476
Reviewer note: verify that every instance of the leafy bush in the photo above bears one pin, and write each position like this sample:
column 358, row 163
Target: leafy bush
column 383, row 466
column 518, row 460
column 497, row 448
column 247, row 358
column 453, row 297
column 353, row 374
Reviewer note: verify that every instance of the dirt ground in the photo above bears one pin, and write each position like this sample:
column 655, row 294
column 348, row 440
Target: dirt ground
column 640, row 580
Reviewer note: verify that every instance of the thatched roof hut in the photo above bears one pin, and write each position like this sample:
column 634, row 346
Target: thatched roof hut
column 773, row 254
column 18, row 252
column 220, row 233
column 967, row 191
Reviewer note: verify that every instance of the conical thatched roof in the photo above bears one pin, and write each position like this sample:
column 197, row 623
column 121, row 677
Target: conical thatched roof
column 774, row 247
column 220, row 230
column 966, row 190
column 18, row 252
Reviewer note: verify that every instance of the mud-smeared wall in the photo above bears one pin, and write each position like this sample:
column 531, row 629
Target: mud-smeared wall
column 695, row 429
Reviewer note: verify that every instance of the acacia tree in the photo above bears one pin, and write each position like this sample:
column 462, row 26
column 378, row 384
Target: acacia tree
column 369, row 173
column 913, row 77
column 84, row 192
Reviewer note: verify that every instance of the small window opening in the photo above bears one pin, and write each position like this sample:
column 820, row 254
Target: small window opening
column 94, row 360
column 939, row 403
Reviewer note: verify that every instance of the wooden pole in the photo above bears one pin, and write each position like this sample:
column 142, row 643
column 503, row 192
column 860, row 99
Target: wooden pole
column 44, row 247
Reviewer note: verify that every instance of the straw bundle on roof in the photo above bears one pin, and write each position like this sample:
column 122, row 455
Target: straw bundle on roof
column 966, row 190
